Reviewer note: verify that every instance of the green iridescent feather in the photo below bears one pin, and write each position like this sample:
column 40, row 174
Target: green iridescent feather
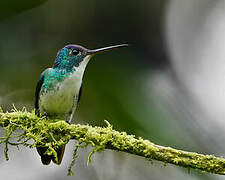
column 64, row 65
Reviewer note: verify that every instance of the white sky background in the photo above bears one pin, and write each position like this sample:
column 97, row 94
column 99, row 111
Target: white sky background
column 196, row 41
column 196, row 45
column 193, row 91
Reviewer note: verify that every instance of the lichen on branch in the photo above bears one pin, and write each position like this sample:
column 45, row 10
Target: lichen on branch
column 22, row 126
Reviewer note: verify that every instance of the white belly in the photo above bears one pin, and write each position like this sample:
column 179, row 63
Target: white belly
column 63, row 100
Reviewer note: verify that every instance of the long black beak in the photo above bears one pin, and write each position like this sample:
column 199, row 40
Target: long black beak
column 100, row 50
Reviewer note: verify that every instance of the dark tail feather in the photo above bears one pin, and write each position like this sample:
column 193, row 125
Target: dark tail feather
column 60, row 153
column 46, row 159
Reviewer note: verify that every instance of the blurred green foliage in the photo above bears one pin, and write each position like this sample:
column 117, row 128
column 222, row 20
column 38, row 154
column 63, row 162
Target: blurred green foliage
column 32, row 39
column 13, row 7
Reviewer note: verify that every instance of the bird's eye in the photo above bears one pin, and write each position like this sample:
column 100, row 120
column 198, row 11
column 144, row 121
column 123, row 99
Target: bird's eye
column 74, row 52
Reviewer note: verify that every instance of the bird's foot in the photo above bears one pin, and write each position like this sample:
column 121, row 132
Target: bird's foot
column 68, row 121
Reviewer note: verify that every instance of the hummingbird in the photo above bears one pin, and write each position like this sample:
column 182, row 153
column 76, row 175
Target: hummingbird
column 58, row 90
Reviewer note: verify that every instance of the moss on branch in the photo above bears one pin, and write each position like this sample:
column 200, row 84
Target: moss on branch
column 22, row 126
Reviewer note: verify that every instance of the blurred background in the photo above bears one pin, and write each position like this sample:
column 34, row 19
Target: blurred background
column 168, row 86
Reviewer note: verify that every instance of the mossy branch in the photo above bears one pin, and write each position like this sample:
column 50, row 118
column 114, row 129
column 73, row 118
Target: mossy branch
column 24, row 126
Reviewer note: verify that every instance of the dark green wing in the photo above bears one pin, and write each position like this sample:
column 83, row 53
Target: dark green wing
column 37, row 93
column 79, row 94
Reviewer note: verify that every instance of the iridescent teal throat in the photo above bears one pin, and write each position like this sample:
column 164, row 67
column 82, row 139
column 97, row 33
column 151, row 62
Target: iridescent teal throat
column 63, row 67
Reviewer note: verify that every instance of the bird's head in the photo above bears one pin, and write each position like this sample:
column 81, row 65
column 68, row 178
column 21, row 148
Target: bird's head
column 72, row 56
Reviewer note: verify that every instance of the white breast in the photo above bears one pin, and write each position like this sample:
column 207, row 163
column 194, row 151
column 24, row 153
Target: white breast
column 63, row 101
